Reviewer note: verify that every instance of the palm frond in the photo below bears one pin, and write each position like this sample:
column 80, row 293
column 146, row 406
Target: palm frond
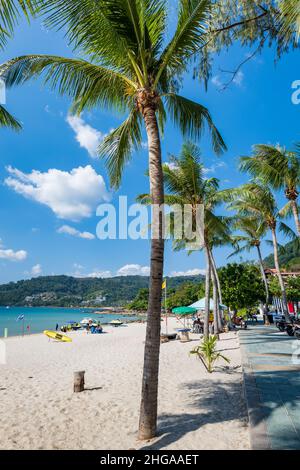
column 191, row 118
column 7, row 120
column 100, row 29
column 117, row 147
column 155, row 20
column 189, row 35
column 286, row 210
column 287, row 231
column 10, row 12
column 273, row 165
column 87, row 84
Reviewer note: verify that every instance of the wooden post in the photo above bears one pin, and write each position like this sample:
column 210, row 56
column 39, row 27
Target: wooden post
column 79, row 381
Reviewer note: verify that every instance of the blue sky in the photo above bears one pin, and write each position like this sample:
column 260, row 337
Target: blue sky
column 51, row 181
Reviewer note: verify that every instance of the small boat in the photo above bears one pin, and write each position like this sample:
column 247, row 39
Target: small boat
column 87, row 321
column 116, row 323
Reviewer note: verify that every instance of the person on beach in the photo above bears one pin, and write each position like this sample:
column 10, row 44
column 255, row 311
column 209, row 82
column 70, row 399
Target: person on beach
column 56, row 328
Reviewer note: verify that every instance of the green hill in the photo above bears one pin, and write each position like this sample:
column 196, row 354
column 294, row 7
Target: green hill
column 289, row 258
column 65, row 291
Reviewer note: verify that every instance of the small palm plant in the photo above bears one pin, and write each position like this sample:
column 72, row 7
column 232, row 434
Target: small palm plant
column 207, row 352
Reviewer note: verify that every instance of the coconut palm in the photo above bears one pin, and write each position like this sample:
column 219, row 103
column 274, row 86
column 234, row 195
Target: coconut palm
column 10, row 11
column 280, row 169
column 133, row 69
column 187, row 187
column 254, row 230
column 255, row 199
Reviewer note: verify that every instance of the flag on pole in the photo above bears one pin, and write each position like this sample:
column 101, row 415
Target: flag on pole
column 164, row 284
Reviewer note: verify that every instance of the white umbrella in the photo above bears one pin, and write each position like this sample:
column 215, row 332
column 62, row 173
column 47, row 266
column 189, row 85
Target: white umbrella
column 200, row 305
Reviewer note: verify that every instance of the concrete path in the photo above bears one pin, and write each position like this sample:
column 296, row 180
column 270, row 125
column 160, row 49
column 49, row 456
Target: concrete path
column 271, row 363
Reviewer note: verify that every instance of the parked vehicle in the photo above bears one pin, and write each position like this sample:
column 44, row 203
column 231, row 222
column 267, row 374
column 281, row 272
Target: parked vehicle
column 292, row 328
column 198, row 327
column 297, row 331
column 240, row 321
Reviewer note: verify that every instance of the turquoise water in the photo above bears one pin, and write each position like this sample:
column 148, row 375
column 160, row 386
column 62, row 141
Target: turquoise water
column 41, row 318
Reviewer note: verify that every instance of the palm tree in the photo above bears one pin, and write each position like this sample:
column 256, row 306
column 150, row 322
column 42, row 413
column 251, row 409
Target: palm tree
column 10, row 11
column 256, row 199
column 131, row 69
column 253, row 229
column 280, row 169
column 186, row 186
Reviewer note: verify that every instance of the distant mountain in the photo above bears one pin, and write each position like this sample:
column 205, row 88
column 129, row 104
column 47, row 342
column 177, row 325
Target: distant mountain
column 65, row 291
column 289, row 258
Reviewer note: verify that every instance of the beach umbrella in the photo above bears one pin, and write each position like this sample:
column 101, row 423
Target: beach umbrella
column 200, row 305
column 85, row 321
column 184, row 310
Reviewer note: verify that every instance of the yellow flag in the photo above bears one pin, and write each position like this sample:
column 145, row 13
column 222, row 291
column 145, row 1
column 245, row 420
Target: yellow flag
column 164, row 285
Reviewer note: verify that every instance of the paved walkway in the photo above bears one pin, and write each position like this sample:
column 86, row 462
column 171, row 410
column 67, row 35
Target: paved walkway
column 271, row 362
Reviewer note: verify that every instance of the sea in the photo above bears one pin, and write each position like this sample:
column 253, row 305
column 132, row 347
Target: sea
column 38, row 319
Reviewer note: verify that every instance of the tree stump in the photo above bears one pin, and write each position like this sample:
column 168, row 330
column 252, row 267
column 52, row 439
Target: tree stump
column 79, row 381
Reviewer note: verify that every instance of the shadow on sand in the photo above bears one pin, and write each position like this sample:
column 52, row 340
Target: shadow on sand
column 207, row 398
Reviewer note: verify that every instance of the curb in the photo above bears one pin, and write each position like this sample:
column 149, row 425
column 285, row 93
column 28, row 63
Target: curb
column 259, row 439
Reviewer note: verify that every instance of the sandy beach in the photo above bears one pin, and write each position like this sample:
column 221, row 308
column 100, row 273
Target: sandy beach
column 38, row 409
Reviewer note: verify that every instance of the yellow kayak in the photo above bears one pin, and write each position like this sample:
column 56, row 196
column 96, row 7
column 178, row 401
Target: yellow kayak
column 57, row 336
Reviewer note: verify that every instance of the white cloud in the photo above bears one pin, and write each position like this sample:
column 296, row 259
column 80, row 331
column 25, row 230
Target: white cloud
column 78, row 266
column 87, row 137
column 133, row 270
column 214, row 167
column 36, row 270
column 103, row 274
column 12, row 255
column 216, row 81
column 189, row 272
column 127, row 270
column 71, row 195
column 171, row 165
column 75, row 233
column 239, row 78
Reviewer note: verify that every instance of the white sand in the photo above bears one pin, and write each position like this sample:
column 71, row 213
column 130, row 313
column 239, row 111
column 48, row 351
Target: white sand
column 38, row 409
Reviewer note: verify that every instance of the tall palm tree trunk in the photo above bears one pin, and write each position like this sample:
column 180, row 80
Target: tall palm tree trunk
column 214, row 268
column 280, row 279
column 296, row 215
column 216, row 280
column 207, row 293
column 263, row 275
column 148, row 410
column 216, row 304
